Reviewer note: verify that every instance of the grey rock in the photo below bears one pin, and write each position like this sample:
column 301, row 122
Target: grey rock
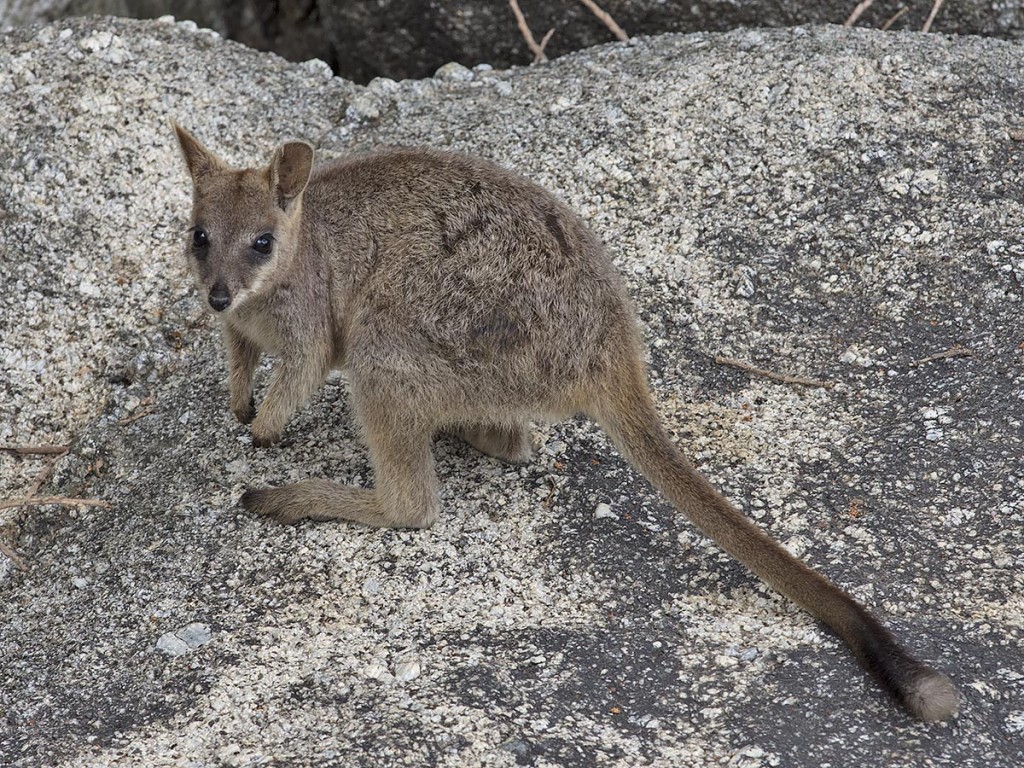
column 687, row 156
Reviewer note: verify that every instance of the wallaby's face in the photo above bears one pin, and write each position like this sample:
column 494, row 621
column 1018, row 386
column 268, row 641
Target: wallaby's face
column 244, row 222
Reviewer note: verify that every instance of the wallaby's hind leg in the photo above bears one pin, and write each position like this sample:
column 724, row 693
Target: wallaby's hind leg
column 505, row 442
column 404, row 493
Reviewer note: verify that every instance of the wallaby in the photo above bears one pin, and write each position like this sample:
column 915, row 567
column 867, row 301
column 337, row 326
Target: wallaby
column 457, row 296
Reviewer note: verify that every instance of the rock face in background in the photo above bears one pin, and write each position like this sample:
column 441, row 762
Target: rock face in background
column 845, row 205
column 413, row 38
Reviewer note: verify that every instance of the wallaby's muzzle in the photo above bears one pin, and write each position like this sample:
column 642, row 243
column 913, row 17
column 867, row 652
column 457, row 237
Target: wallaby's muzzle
column 220, row 298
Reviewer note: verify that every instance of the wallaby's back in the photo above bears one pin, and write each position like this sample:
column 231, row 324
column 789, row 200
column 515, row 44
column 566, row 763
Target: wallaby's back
column 495, row 288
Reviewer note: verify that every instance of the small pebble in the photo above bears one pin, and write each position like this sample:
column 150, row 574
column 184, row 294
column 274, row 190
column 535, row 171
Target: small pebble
column 195, row 634
column 407, row 670
column 183, row 640
column 171, row 644
column 454, row 72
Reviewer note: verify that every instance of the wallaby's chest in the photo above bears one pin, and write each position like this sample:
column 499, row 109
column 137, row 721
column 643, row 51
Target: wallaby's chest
column 264, row 330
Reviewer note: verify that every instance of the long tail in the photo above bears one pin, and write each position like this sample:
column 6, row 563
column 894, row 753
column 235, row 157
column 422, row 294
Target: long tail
column 629, row 417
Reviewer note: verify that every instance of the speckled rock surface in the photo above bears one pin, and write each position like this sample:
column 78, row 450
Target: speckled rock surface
column 836, row 204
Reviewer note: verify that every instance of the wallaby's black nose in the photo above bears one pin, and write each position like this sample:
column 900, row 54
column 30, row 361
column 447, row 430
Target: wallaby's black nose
column 219, row 299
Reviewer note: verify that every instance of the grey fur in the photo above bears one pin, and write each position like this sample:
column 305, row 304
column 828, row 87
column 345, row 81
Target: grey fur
column 458, row 296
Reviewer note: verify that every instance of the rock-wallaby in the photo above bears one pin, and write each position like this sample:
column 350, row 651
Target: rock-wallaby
column 457, row 296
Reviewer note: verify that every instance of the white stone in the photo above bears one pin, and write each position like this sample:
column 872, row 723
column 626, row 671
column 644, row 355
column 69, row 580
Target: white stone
column 171, row 644
column 407, row 670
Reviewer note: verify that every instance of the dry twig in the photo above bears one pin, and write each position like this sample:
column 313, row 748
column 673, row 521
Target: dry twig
column 52, row 454
column 784, row 378
column 43, row 475
column 861, row 7
column 544, row 42
column 608, row 21
column 135, row 416
column 35, row 450
column 64, row 501
column 954, row 351
column 895, row 17
column 931, row 16
column 524, row 29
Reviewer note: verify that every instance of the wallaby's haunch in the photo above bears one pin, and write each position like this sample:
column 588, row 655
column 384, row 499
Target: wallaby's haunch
column 457, row 296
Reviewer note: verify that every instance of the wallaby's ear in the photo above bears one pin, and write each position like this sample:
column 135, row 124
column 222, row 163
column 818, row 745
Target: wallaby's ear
column 289, row 171
column 200, row 161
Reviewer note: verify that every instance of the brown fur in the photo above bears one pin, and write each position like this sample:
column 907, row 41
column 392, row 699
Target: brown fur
column 458, row 296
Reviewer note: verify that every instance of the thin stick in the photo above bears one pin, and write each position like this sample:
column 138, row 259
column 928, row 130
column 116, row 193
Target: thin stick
column 13, row 556
column 544, row 42
column 608, row 21
column 931, row 16
column 35, row 450
column 524, row 29
column 784, row 378
column 65, row 501
column 42, row 477
column 135, row 417
column 895, row 17
column 954, row 351
column 861, row 7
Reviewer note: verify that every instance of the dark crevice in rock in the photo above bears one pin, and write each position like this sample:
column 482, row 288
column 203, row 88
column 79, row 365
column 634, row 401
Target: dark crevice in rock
column 412, row 38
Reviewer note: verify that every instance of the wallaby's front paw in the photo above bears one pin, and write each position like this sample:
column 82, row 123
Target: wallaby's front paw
column 264, row 434
column 245, row 413
column 264, row 440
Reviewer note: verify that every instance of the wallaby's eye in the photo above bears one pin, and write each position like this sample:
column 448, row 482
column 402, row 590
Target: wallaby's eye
column 263, row 244
column 199, row 238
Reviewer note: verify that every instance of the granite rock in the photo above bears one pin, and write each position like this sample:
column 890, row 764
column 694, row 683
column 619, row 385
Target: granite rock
column 869, row 187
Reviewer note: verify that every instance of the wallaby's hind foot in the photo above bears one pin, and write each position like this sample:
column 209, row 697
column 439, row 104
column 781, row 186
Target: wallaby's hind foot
column 404, row 496
column 323, row 500
column 312, row 500
column 508, row 443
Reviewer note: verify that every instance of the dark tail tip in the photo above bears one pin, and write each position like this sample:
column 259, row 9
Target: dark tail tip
column 930, row 696
column 927, row 694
